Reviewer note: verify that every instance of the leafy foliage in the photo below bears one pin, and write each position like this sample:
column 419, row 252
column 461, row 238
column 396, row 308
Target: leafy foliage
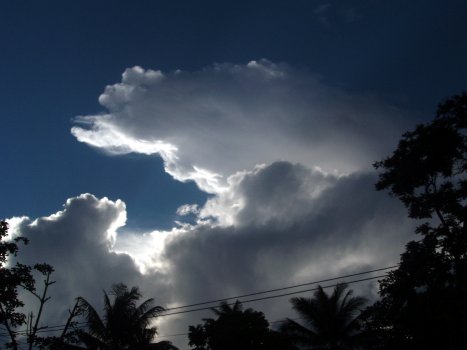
column 12, row 278
column 235, row 328
column 331, row 322
column 424, row 302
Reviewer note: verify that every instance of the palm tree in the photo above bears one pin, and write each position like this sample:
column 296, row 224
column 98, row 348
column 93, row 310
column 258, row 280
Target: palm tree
column 331, row 322
column 124, row 325
column 226, row 310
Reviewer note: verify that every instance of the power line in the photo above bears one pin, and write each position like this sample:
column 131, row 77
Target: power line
column 271, row 297
column 47, row 329
column 83, row 324
column 171, row 335
column 279, row 289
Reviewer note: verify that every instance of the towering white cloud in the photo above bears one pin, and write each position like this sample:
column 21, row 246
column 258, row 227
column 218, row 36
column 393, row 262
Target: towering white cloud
column 285, row 159
column 294, row 225
column 211, row 123
column 77, row 241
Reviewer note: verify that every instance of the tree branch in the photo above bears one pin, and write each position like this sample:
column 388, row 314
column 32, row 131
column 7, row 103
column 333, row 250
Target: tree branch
column 11, row 333
column 73, row 313
column 43, row 299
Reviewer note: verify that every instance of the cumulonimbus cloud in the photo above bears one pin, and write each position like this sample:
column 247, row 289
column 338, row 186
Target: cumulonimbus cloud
column 284, row 157
column 211, row 123
column 295, row 225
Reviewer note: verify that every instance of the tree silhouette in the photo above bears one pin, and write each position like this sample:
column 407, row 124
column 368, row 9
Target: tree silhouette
column 331, row 322
column 13, row 278
column 424, row 302
column 124, row 324
column 235, row 328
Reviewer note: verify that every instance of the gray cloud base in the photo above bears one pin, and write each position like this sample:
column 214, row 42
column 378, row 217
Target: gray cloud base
column 286, row 159
column 343, row 227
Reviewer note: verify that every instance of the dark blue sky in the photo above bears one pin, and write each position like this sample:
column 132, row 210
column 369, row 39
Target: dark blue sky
column 57, row 57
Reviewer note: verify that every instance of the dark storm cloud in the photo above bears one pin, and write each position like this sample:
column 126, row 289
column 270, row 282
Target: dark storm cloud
column 295, row 225
column 343, row 228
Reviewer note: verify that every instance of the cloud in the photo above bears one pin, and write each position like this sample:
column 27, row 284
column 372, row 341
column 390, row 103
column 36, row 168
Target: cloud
column 285, row 158
column 331, row 16
column 76, row 241
column 279, row 190
column 322, row 13
column 305, row 226
column 351, row 14
column 295, row 225
column 209, row 124
column 187, row 209
column 321, row 9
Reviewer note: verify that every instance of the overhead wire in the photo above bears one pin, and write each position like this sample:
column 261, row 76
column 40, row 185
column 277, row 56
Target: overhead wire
column 282, row 288
column 270, row 297
column 57, row 328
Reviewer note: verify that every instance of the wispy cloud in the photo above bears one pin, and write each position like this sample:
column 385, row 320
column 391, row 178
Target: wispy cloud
column 322, row 13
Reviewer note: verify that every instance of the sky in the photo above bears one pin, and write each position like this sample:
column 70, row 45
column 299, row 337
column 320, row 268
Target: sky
column 207, row 149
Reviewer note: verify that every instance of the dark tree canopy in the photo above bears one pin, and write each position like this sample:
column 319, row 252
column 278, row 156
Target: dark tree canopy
column 13, row 277
column 428, row 170
column 234, row 329
column 329, row 321
column 424, row 302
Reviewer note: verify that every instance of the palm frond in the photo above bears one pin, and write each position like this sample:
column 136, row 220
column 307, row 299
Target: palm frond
column 225, row 308
column 330, row 320
column 144, row 319
column 307, row 308
column 91, row 342
column 125, row 324
column 96, row 326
